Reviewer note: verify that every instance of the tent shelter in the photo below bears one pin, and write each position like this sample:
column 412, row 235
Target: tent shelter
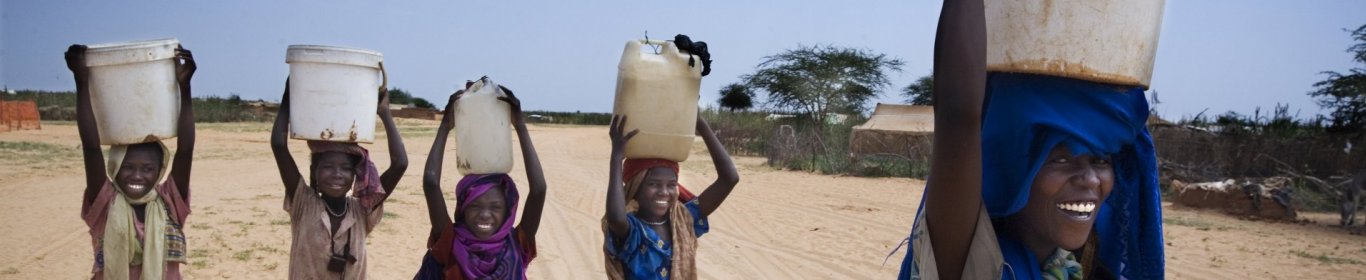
column 895, row 129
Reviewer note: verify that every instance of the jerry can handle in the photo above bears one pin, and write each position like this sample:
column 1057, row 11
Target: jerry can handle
column 667, row 47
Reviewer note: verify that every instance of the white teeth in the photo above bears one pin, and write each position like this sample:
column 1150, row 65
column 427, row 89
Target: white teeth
column 485, row 226
column 1081, row 207
column 662, row 201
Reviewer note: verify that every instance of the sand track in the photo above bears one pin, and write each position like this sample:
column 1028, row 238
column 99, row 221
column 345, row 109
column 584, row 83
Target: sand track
column 776, row 224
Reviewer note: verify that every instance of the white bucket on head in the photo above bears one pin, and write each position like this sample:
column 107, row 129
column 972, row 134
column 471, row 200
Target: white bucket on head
column 658, row 93
column 334, row 93
column 133, row 90
column 1108, row 41
column 483, row 139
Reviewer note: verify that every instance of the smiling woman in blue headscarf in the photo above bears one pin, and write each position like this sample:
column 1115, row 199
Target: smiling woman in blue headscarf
column 1033, row 177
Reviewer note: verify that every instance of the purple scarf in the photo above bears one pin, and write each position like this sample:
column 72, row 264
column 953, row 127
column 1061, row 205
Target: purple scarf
column 497, row 257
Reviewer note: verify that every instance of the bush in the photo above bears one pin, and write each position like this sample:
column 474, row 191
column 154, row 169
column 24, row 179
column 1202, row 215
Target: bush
column 799, row 143
column 61, row 106
column 231, row 109
column 742, row 133
column 44, row 98
column 1232, row 145
column 576, row 117
column 807, row 145
column 888, row 165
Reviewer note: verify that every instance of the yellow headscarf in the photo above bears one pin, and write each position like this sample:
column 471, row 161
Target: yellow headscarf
column 120, row 233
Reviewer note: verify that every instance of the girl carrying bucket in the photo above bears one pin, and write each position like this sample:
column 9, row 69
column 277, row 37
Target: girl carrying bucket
column 650, row 233
column 328, row 227
column 481, row 242
column 1033, row 176
column 134, row 203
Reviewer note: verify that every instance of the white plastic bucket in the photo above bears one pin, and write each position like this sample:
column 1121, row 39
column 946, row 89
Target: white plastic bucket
column 133, row 90
column 658, row 93
column 483, row 139
column 1108, row 41
column 334, row 92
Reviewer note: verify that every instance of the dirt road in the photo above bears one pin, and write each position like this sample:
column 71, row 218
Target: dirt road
column 776, row 225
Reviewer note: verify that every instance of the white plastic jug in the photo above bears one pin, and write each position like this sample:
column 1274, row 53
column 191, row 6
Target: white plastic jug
column 133, row 90
column 334, row 92
column 483, row 139
column 658, row 93
column 1108, row 41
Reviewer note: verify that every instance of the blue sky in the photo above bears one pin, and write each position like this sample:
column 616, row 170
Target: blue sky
column 562, row 55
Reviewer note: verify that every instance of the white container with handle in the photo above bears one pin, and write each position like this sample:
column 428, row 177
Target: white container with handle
column 483, row 135
column 1107, row 41
column 658, row 93
column 334, row 92
column 133, row 90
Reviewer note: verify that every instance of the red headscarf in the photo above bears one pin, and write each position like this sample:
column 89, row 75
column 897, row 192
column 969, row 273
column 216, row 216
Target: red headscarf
column 636, row 166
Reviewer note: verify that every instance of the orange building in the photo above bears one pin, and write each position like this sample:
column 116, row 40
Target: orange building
column 19, row 115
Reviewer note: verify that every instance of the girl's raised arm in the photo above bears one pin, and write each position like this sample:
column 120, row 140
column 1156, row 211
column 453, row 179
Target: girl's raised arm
column 953, row 195
column 398, row 155
column 184, row 152
column 431, row 177
column 616, row 197
column 727, row 176
column 279, row 145
column 535, row 198
column 95, row 175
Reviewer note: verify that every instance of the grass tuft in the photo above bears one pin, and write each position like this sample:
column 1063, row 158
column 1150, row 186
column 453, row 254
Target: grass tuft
column 1324, row 258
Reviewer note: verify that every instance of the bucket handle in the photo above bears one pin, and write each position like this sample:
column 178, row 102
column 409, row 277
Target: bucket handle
column 384, row 78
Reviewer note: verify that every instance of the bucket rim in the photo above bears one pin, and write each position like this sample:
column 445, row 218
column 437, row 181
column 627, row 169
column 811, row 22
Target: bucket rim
column 335, row 48
column 128, row 45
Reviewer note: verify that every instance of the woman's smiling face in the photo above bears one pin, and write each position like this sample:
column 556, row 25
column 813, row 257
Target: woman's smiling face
column 657, row 194
column 1064, row 200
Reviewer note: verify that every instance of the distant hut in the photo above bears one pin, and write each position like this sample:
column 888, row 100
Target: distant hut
column 895, row 129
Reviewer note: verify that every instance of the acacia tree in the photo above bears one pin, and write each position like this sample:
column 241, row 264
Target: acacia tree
column 736, row 97
column 921, row 92
column 817, row 80
column 1345, row 93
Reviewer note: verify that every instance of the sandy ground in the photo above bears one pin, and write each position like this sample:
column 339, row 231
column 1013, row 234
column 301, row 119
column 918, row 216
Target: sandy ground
column 776, row 225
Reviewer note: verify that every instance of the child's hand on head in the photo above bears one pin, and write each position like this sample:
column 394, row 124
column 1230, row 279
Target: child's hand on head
column 450, row 103
column 185, row 65
column 618, row 139
column 383, row 104
column 75, row 58
column 449, row 115
column 512, row 101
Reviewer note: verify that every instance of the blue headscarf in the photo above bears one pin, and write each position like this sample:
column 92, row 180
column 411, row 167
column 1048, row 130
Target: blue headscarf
column 1026, row 116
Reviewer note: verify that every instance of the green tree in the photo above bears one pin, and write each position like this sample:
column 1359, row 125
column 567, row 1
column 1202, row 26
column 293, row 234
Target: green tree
column 400, row 96
column 1345, row 93
column 817, row 80
column 921, row 92
column 736, row 97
